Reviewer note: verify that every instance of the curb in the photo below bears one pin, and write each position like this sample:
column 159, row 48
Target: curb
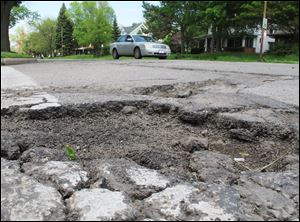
column 16, row 61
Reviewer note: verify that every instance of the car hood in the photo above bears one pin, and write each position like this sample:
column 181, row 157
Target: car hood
column 154, row 43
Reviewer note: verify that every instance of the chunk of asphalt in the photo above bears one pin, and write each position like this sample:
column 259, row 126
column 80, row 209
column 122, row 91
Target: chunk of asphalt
column 99, row 205
column 25, row 199
column 65, row 176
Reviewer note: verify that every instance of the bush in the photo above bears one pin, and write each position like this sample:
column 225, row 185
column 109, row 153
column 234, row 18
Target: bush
column 105, row 50
column 197, row 50
column 295, row 49
column 237, row 49
column 175, row 48
column 283, row 49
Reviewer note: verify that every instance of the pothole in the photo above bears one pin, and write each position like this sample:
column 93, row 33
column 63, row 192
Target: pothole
column 142, row 155
column 185, row 90
column 157, row 141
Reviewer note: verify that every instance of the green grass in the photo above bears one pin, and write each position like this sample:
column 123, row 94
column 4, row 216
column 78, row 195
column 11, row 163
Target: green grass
column 88, row 57
column 14, row 55
column 236, row 57
column 224, row 56
column 108, row 57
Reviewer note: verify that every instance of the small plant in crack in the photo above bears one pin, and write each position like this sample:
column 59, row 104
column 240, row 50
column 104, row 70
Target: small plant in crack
column 70, row 152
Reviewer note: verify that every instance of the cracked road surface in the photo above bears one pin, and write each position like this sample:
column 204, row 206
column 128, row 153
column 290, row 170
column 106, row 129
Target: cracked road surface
column 275, row 81
column 154, row 141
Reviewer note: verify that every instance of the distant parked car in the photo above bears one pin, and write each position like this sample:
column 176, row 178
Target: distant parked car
column 139, row 46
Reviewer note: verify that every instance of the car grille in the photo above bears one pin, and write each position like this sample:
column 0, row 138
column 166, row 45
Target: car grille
column 159, row 46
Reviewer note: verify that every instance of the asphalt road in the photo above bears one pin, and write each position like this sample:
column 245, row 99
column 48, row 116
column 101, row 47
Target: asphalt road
column 275, row 81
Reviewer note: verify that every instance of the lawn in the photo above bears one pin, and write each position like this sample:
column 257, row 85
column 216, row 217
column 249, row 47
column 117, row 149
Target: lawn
column 107, row 57
column 5, row 55
column 225, row 56
column 236, row 57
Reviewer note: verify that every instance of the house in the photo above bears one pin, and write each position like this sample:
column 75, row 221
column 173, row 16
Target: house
column 283, row 37
column 84, row 50
column 134, row 29
column 248, row 43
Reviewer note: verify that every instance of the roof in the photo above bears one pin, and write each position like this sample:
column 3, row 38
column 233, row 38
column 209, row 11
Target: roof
column 129, row 29
column 228, row 36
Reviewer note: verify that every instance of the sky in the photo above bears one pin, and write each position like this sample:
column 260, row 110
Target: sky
column 127, row 12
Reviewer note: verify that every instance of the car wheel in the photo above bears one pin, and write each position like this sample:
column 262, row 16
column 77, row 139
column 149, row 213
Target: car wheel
column 164, row 57
column 137, row 53
column 115, row 54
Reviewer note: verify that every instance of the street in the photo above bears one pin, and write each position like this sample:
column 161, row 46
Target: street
column 275, row 81
column 153, row 140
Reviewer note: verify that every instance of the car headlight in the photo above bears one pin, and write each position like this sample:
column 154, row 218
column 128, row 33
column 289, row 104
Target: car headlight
column 148, row 46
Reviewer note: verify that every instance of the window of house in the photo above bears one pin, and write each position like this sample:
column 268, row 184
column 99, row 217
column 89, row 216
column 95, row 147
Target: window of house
column 234, row 42
column 238, row 42
column 249, row 42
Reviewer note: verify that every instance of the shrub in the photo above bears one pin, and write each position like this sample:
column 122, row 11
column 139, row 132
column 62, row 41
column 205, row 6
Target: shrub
column 283, row 49
column 105, row 50
column 295, row 49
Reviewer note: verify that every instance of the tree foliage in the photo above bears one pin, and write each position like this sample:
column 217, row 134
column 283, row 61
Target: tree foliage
column 92, row 23
column 222, row 18
column 21, row 12
column 11, row 13
column 42, row 40
column 116, row 32
column 64, row 32
column 20, row 38
column 155, row 17
column 284, row 16
column 172, row 17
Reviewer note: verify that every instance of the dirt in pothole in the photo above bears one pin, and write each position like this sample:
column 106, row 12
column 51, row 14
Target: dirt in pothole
column 184, row 90
column 149, row 140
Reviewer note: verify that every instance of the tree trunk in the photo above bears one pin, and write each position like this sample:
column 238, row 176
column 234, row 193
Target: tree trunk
column 6, row 7
column 182, row 39
column 212, row 44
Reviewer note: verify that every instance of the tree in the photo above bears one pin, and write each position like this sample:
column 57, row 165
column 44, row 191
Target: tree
column 158, row 28
column 42, row 40
column 6, row 7
column 64, row 32
column 11, row 13
column 20, row 38
column 21, row 12
column 174, row 17
column 227, row 18
column 93, row 23
column 116, row 32
column 284, row 16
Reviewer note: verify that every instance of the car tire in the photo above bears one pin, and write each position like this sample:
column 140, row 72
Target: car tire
column 115, row 54
column 137, row 53
column 164, row 57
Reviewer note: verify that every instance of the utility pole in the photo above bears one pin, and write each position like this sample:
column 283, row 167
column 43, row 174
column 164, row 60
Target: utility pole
column 264, row 28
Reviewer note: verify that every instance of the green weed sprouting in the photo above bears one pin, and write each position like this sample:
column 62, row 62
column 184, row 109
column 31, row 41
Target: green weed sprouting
column 70, row 152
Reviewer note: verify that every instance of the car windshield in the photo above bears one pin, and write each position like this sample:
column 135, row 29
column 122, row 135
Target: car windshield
column 141, row 38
